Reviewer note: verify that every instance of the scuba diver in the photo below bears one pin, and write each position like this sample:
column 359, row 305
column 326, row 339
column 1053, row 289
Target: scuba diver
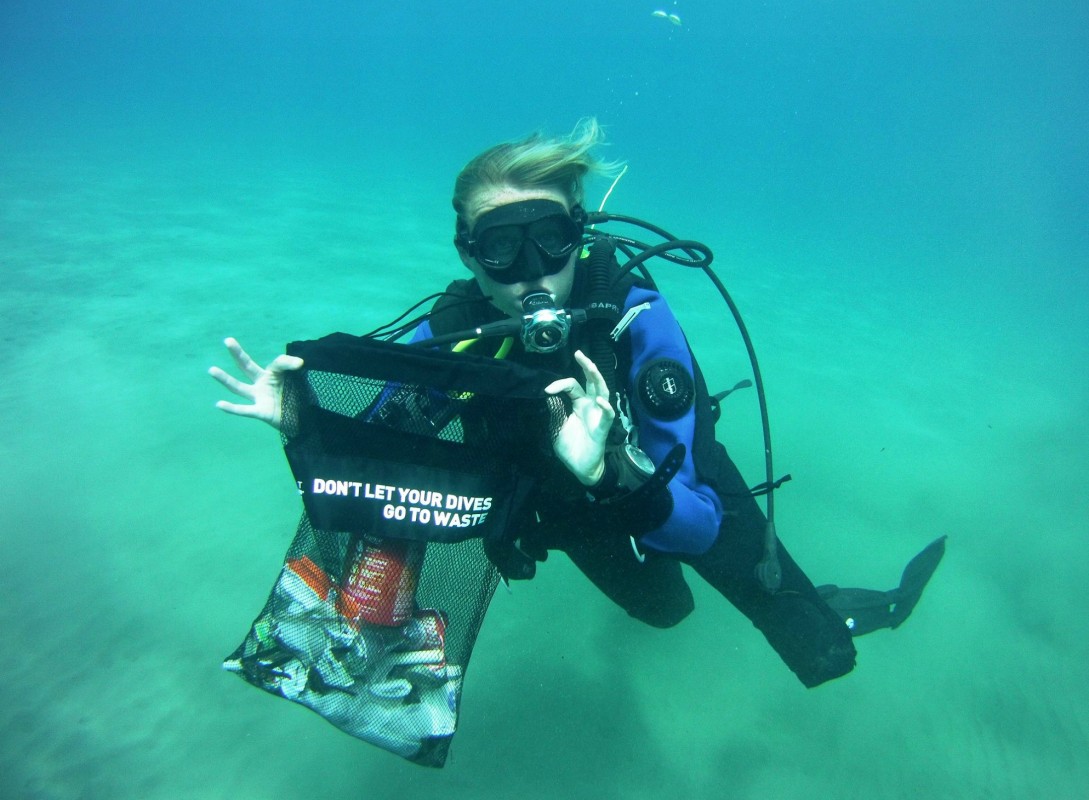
column 637, row 485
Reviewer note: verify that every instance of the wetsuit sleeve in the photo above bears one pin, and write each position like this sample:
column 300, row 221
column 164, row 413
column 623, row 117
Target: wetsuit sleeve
column 655, row 335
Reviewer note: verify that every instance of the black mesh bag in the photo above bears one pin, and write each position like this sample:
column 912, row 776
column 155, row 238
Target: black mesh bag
column 407, row 461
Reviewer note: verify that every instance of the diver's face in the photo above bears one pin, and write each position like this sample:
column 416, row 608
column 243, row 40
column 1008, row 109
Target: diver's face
column 507, row 297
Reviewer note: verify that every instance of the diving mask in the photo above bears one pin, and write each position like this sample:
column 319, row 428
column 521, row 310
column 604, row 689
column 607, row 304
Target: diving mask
column 523, row 241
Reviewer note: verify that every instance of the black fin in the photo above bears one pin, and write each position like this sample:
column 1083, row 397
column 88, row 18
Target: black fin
column 915, row 578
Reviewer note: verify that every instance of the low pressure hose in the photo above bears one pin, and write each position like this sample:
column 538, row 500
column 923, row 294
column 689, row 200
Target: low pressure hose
column 602, row 313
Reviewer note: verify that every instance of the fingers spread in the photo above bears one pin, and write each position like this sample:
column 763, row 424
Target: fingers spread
column 237, row 409
column 595, row 381
column 231, row 383
column 242, row 358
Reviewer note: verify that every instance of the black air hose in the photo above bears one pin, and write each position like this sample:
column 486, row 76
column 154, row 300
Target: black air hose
column 602, row 313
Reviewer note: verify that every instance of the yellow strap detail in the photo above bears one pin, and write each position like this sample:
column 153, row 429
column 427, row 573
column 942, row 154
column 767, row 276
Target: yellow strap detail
column 504, row 347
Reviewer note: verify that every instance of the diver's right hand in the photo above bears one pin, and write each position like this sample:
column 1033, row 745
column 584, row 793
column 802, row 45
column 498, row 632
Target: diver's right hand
column 265, row 390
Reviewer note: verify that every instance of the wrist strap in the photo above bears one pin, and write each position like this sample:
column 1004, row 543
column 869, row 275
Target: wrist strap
column 608, row 489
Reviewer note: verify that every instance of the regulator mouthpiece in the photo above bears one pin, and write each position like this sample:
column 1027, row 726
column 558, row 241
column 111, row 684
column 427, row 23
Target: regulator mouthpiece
column 545, row 328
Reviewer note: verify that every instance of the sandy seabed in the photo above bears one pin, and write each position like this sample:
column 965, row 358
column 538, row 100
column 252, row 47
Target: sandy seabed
column 142, row 529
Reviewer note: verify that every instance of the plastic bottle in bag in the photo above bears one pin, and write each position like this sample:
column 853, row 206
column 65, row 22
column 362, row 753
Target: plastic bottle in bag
column 380, row 579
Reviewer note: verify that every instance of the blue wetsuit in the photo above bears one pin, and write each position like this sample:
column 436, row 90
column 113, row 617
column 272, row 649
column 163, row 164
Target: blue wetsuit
column 697, row 512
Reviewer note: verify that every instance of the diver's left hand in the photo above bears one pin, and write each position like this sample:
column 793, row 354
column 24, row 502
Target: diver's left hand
column 580, row 443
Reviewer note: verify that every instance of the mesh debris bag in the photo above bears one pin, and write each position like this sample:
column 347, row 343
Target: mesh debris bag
column 406, row 461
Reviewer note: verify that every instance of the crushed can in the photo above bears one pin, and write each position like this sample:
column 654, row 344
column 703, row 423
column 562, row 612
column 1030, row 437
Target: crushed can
column 379, row 583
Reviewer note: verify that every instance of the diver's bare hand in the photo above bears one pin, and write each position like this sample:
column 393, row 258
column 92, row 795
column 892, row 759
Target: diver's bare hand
column 265, row 389
column 580, row 443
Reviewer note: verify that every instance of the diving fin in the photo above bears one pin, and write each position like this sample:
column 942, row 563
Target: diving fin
column 916, row 575
column 867, row 610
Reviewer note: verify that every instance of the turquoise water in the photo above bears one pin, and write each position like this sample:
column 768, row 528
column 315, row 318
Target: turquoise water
column 896, row 196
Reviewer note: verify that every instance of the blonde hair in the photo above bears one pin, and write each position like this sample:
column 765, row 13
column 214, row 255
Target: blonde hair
column 559, row 164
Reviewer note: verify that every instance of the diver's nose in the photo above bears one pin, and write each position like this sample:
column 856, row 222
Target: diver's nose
column 532, row 263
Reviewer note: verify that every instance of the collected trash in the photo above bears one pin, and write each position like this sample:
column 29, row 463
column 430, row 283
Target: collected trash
column 390, row 685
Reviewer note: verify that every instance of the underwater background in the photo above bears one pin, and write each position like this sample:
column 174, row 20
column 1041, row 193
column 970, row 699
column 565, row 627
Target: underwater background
column 896, row 195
